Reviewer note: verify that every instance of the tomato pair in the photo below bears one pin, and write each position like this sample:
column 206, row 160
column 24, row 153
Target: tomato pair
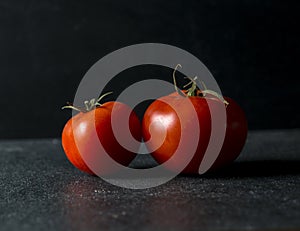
column 161, row 129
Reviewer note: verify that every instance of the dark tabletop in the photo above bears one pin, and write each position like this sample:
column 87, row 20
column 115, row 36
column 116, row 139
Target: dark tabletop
column 41, row 190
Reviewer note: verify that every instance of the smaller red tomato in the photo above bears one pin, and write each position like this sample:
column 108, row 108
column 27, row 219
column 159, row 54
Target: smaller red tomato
column 78, row 135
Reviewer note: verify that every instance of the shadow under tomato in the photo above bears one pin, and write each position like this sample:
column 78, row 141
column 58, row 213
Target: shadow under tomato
column 258, row 168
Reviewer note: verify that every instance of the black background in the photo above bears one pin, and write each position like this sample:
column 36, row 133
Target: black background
column 46, row 46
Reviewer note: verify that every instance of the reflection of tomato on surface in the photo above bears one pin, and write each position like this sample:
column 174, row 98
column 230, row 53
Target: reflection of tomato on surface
column 164, row 117
column 78, row 135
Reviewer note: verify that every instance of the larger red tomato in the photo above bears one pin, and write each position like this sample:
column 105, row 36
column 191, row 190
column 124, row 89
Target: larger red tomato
column 78, row 135
column 165, row 118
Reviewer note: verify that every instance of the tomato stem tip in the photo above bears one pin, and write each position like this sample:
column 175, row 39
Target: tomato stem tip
column 174, row 77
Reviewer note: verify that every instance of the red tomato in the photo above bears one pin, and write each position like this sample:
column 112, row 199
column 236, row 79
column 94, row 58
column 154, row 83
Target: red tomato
column 82, row 126
column 235, row 136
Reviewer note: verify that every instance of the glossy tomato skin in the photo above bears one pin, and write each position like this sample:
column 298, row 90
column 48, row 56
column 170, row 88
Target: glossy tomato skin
column 160, row 110
column 235, row 135
column 81, row 126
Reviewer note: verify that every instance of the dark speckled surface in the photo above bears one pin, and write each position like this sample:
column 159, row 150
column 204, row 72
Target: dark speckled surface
column 40, row 190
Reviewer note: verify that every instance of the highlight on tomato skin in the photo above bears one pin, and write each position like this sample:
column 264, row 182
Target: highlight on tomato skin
column 235, row 135
column 79, row 139
column 160, row 109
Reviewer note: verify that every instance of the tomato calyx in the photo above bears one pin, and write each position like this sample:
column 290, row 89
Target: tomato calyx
column 89, row 104
column 194, row 90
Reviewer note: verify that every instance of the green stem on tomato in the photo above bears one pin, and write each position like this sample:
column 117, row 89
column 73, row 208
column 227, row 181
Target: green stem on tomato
column 174, row 78
column 192, row 91
column 71, row 107
column 89, row 104
column 204, row 92
column 101, row 97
